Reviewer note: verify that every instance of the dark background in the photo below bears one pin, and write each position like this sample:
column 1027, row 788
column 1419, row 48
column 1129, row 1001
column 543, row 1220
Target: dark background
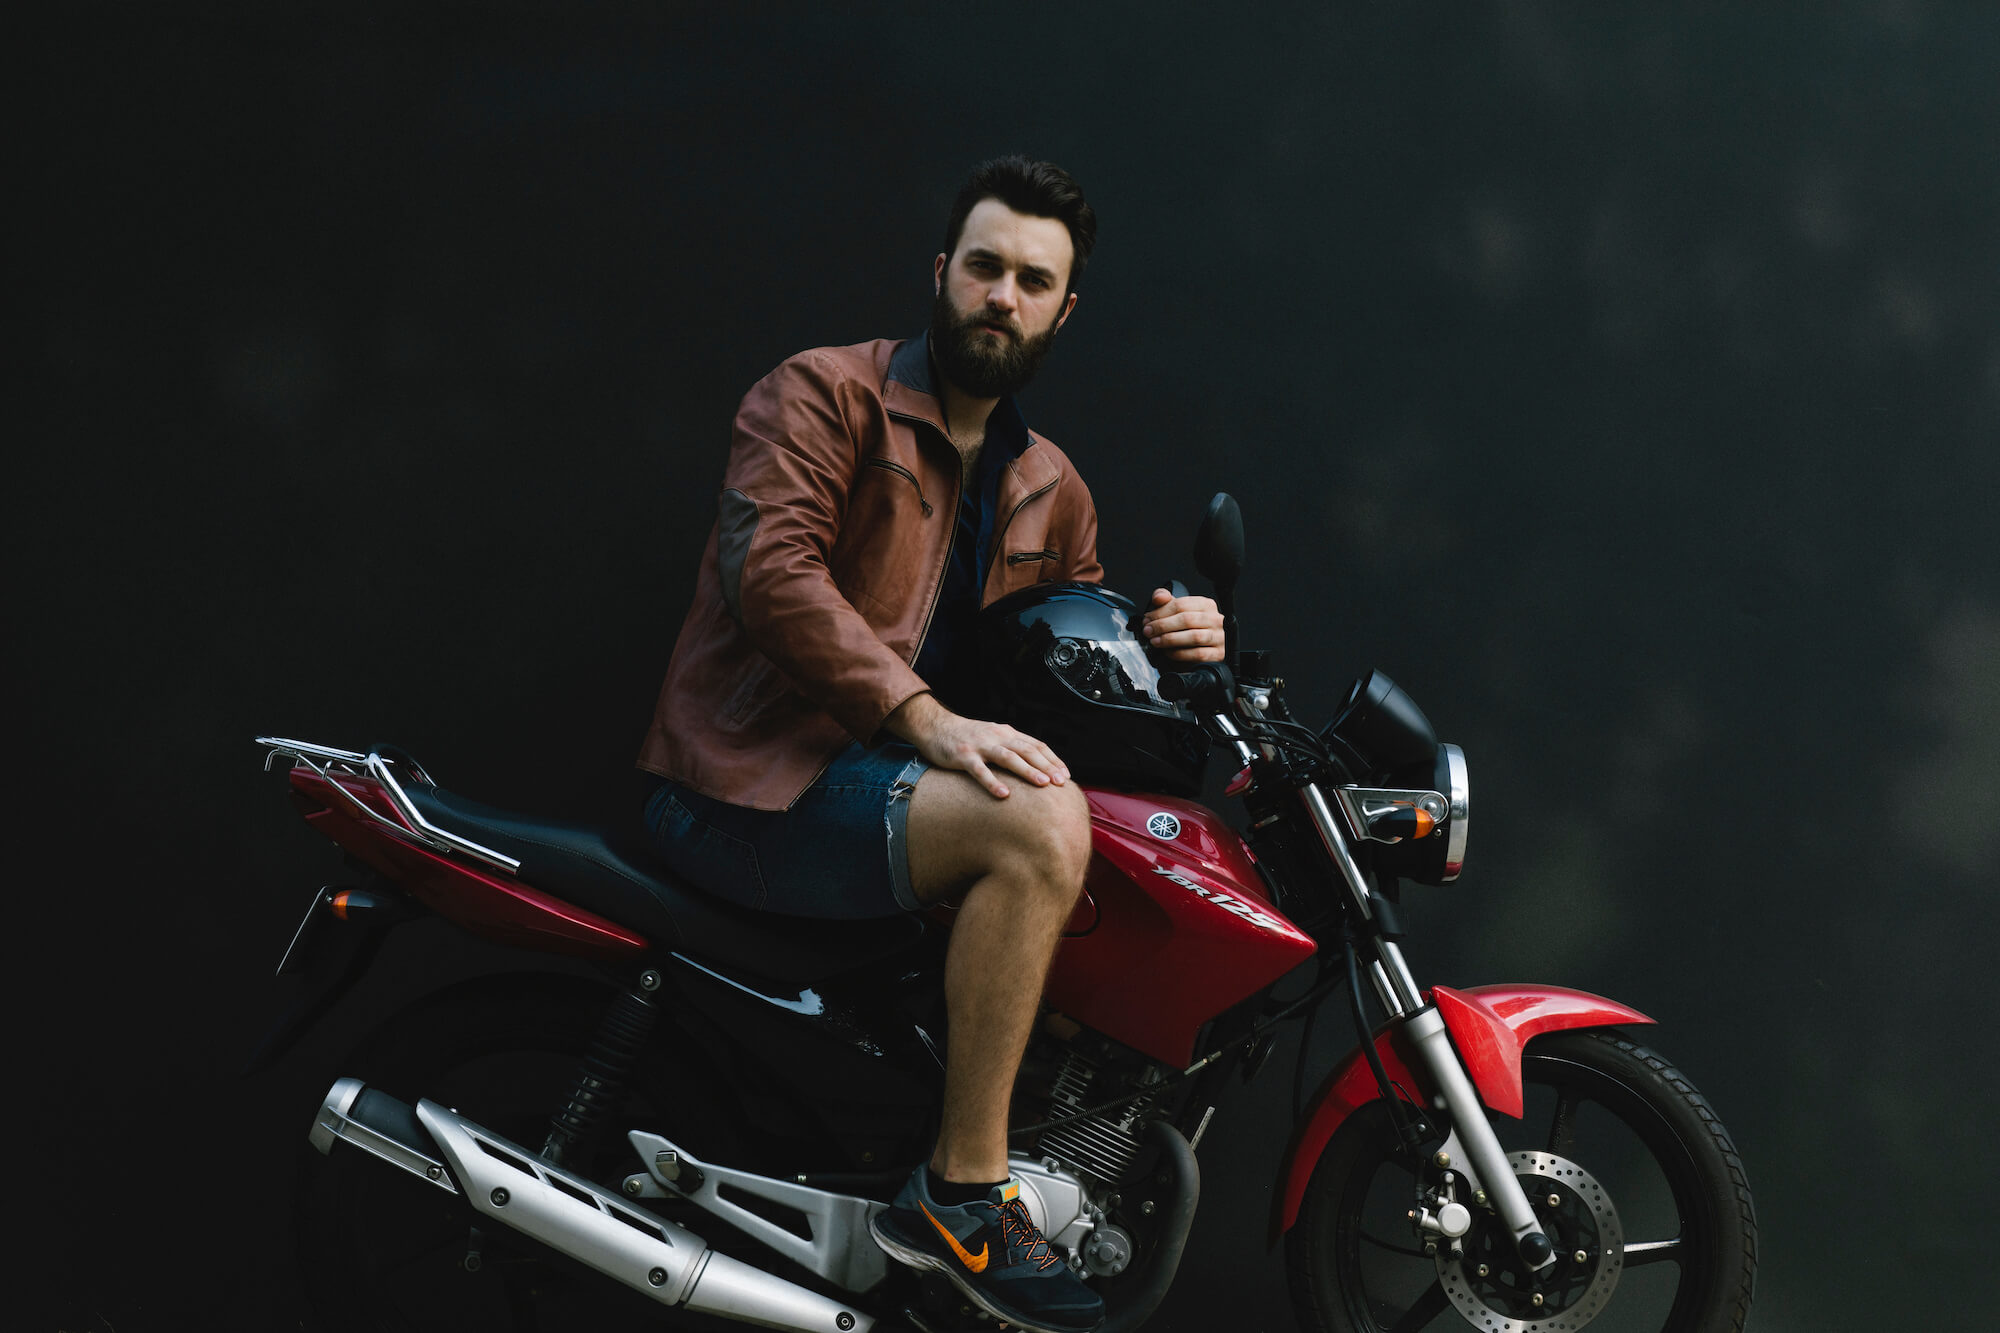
column 1624, row 382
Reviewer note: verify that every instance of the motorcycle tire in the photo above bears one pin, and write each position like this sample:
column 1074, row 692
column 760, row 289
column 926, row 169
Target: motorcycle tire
column 1636, row 1181
column 381, row 1251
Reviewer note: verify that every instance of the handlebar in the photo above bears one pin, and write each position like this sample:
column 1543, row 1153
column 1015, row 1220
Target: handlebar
column 1207, row 688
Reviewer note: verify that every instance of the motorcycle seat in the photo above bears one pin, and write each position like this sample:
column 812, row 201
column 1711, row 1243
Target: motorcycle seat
column 620, row 878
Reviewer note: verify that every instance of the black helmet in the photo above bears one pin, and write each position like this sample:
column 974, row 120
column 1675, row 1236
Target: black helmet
column 1064, row 662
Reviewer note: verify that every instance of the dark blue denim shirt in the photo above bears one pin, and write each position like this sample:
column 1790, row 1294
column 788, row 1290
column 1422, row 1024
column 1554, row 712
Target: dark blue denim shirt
column 948, row 659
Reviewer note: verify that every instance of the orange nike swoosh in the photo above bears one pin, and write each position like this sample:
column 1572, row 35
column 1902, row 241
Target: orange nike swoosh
column 976, row 1262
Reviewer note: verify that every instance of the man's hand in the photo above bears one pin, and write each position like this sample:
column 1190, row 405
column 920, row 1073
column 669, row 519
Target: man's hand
column 1184, row 629
column 975, row 748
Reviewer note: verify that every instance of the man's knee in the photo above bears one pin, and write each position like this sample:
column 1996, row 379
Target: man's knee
column 1049, row 833
column 1037, row 838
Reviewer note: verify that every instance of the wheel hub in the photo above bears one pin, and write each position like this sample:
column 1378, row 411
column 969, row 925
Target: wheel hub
column 1497, row 1292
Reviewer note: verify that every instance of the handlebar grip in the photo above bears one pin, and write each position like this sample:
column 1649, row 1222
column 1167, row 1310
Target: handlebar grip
column 1207, row 685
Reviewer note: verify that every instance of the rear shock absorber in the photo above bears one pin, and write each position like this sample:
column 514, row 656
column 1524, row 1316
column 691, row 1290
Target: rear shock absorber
column 607, row 1064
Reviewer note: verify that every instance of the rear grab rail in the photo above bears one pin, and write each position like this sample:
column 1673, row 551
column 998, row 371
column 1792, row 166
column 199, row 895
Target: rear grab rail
column 323, row 760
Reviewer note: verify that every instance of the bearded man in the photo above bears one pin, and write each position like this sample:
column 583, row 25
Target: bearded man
column 812, row 741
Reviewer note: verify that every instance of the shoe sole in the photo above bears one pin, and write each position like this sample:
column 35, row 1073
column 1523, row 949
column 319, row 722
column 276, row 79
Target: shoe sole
column 924, row 1259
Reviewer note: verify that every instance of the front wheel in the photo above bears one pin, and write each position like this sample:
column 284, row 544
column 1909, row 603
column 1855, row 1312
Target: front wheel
column 1632, row 1174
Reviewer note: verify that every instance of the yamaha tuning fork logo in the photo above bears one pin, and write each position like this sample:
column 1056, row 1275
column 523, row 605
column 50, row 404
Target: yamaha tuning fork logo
column 1163, row 825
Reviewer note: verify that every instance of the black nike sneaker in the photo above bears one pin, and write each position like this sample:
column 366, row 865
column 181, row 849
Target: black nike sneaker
column 993, row 1252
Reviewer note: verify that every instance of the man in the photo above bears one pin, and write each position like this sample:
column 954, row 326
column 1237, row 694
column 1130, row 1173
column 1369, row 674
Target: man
column 811, row 731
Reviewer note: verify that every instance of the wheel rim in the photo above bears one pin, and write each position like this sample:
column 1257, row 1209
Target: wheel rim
column 1577, row 1214
column 1648, row 1279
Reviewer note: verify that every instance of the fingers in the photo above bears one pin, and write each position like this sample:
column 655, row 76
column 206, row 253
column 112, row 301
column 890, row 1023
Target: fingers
column 1032, row 760
column 975, row 768
column 1188, row 634
column 984, row 747
column 1184, row 620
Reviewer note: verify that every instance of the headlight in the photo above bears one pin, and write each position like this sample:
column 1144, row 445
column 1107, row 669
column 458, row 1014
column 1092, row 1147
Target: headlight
column 1438, row 858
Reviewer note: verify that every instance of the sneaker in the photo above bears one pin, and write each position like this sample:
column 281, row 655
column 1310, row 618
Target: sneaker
column 993, row 1253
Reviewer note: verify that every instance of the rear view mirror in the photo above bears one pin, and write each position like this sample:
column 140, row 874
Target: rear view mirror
column 1218, row 546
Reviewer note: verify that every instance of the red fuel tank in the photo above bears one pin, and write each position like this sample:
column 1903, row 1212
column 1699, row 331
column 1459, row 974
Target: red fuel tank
column 1178, row 926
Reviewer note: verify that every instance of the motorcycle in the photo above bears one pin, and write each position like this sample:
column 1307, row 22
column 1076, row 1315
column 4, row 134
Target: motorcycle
column 690, row 1115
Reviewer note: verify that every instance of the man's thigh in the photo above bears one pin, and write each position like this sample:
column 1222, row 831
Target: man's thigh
column 839, row 852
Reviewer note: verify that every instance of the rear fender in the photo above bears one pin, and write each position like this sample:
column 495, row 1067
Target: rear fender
column 1489, row 1026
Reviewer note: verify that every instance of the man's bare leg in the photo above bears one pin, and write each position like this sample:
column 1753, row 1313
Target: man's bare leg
column 1020, row 863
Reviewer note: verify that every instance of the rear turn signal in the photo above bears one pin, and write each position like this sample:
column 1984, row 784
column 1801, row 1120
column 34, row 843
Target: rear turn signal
column 362, row 904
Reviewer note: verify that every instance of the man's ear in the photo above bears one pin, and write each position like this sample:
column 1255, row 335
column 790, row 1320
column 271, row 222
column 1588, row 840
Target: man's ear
column 1068, row 306
column 937, row 274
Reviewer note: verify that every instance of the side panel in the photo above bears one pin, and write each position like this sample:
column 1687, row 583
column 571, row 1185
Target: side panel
column 485, row 902
column 1182, row 931
column 1489, row 1026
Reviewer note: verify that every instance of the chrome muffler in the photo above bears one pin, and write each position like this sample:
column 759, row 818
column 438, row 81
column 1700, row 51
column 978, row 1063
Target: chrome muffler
column 569, row 1214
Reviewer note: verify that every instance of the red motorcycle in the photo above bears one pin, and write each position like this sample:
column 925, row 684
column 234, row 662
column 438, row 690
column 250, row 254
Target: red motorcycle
column 692, row 1112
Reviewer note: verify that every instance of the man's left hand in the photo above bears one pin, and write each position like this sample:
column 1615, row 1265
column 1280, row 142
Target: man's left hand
column 1183, row 629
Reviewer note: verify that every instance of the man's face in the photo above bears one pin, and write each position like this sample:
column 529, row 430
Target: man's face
column 1000, row 299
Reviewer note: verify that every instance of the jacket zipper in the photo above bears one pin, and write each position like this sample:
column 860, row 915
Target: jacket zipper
column 902, row 471
column 937, row 593
column 1001, row 531
column 1023, row 557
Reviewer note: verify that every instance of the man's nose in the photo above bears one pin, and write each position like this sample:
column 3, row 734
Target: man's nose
column 1004, row 294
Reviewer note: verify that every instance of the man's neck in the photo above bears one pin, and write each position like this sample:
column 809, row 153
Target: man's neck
column 965, row 416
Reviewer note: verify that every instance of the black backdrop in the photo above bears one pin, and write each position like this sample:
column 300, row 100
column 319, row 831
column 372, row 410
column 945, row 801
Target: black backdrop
column 1624, row 383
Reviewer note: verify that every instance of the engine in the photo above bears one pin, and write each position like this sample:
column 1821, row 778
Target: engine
column 1080, row 1162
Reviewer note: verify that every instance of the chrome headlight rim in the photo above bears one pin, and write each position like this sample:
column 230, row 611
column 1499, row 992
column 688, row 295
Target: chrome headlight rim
column 1460, row 797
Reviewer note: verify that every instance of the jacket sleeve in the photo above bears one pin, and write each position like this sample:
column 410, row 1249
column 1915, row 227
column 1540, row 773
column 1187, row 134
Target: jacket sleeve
column 1079, row 541
column 792, row 460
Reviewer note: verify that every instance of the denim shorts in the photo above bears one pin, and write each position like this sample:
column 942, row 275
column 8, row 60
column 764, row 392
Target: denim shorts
column 841, row 851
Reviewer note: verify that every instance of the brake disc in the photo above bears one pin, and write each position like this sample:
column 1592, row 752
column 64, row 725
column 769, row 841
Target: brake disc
column 1493, row 1288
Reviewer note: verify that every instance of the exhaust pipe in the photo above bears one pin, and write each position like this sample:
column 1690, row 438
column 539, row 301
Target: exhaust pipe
column 569, row 1214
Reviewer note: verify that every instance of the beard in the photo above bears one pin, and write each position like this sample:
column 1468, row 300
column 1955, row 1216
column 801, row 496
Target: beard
column 978, row 361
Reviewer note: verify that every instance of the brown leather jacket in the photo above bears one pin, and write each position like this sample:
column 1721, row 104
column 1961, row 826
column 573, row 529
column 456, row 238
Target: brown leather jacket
column 836, row 519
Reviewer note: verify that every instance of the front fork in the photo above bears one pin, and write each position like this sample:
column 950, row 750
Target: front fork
column 1485, row 1168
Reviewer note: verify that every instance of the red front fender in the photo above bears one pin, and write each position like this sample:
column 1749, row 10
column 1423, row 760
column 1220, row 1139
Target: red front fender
column 1489, row 1025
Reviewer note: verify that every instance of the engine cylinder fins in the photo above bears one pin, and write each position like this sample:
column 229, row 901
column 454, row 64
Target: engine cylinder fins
column 1101, row 1146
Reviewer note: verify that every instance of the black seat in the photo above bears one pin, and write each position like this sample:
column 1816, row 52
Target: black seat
column 619, row 877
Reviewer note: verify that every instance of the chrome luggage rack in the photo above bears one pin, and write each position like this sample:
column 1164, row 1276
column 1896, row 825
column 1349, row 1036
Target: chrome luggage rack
column 330, row 763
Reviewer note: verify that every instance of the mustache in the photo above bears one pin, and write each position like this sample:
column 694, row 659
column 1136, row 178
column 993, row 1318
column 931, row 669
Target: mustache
column 992, row 319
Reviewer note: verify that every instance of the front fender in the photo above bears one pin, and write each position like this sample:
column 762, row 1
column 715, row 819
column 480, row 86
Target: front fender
column 1489, row 1026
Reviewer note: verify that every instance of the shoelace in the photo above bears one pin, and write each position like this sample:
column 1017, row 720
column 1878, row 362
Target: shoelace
column 1018, row 1229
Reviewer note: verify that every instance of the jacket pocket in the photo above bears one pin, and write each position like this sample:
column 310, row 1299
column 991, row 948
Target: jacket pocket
column 889, row 466
column 1050, row 555
column 755, row 692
